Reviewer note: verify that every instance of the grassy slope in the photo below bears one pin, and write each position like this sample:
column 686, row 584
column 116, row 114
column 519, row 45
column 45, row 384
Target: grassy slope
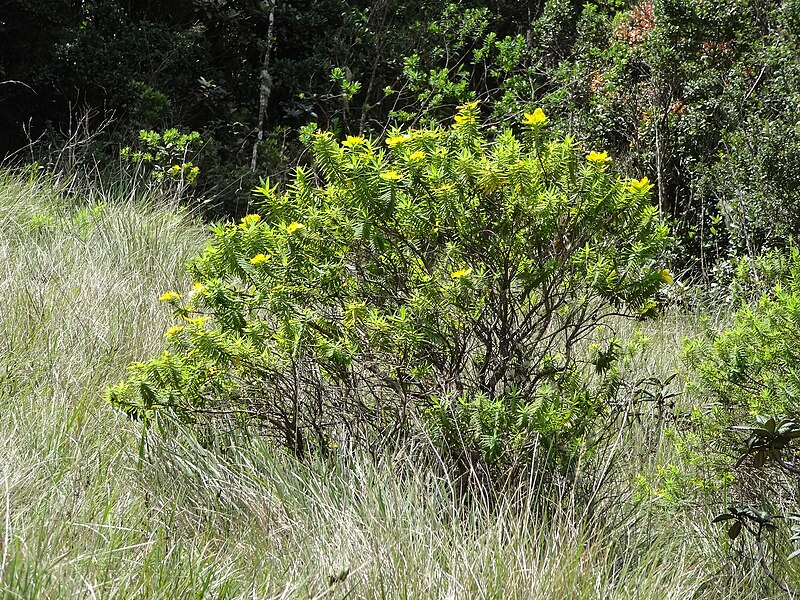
column 82, row 516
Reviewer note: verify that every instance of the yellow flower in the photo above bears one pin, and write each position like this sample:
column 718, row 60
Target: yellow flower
column 250, row 220
column 637, row 185
column 259, row 259
column 418, row 155
column 460, row 273
column 197, row 288
column 598, row 158
column 294, row 226
column 397, row 139
column 534, row 119
column 391, row 176
column 174, row 330
column 666, row 277
column 170, row 296
column 352, row 141
column 464, row 120
column 196, row 321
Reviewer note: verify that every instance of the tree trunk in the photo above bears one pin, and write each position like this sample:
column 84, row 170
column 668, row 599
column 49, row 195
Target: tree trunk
column 266, row 82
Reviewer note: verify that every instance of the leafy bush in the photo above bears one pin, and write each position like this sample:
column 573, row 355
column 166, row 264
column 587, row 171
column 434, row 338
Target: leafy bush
column 167, row 156
column 446, row 287
column 754, row 366
column 751, row 374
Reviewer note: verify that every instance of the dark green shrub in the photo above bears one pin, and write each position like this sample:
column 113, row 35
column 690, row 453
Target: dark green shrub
column 444, row 286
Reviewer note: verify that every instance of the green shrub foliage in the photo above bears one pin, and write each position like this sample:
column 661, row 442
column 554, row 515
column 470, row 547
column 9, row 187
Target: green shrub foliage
column 750, row 372
column 166, row 155
column 754, row 366
column 440, row 285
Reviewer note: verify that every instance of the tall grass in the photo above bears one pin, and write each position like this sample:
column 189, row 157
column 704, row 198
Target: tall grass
column 83, row 514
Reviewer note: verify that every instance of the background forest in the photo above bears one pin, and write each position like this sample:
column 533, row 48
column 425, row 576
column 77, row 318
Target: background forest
column 699, row 96
column 329, row 298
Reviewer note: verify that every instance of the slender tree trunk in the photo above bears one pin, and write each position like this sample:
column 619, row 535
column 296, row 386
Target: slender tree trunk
column 662, row 96
column 266, row 82
column 659, row 170
column 382, row 8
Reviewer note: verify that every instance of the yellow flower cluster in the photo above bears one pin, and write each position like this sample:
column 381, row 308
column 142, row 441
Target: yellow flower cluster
column 170, row 296
column 638, row 185
column 418, row 155
column 460, row 273
column 598, row 158
column 197, row 288
column 397, row 139
column 353, row 141
column 249, row 221
column 535, row 119
column 174, row 330
column 197, row 321
column 294, row 226
column 462, row 120
column 391, row 175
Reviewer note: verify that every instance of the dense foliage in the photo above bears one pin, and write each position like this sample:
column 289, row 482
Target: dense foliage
column 447, row 286
column 700, row 97
column 749, row 376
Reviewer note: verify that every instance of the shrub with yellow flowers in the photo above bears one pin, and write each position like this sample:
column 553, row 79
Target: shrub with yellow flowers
column 439, row 286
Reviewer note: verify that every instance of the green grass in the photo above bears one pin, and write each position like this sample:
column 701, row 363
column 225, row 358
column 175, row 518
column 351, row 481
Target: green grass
column 83, row 514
